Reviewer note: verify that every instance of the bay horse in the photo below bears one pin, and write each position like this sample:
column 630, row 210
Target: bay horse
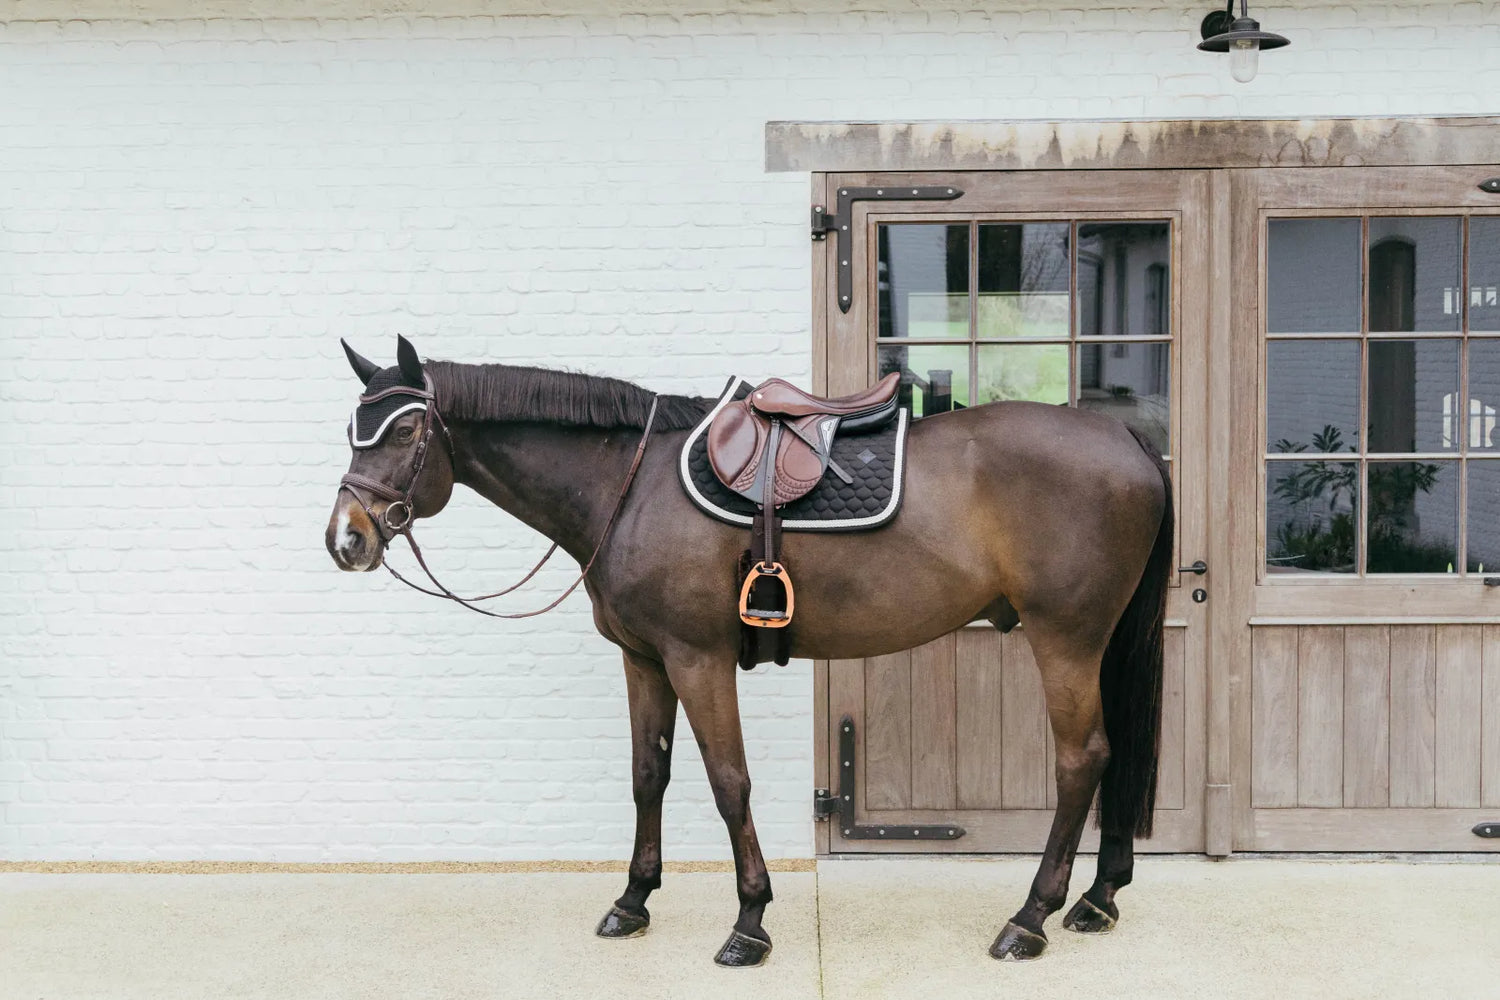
column 1049, row 516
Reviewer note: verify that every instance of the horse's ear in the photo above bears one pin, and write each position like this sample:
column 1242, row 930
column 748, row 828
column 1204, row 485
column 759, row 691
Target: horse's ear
column 363, row 367
column 411, row 365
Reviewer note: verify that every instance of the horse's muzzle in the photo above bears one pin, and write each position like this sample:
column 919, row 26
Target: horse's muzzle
column 352, row 540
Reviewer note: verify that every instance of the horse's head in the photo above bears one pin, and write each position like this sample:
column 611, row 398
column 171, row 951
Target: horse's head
column 402, row 467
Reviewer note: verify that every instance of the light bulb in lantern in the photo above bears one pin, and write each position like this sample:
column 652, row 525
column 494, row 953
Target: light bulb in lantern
column 1244, row 59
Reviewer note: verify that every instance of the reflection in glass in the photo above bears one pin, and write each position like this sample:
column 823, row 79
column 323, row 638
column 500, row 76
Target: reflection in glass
column 1412, row 383
column 1312, row 276
column 1124, row 279
column 1484, row 398
column 1414, row 274
column 1023, row 371
column 1131, row 382
column 1310, row 517
column 1023, row 280
column 924, row 280
column 1413, row 517
column 1484, row 274
column 934, row 379
column 1312, row 395
column 1484, row 517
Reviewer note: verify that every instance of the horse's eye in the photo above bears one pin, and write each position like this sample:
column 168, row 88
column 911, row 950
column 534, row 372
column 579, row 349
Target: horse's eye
column 404, row 434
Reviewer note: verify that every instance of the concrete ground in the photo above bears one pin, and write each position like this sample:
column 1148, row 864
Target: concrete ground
column 908, row 929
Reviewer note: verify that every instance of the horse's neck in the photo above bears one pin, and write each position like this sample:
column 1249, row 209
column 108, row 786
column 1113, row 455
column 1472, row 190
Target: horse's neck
column 562, row 481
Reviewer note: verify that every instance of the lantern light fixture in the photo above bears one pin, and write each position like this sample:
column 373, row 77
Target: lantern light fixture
column 1240, row 36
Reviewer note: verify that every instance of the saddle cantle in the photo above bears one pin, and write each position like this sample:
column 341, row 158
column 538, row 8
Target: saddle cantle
column 740, row 437
column 765, row 454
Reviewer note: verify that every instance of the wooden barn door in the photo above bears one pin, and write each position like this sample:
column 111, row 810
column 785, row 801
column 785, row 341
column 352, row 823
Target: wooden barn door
column 1366, row 551
column 1081, row 288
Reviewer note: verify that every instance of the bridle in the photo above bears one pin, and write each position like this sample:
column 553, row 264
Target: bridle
column 402, row 501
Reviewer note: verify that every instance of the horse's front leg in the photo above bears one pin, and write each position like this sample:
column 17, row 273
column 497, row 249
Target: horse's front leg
column 707, row 688
column 1075, row 710
column 653, row 715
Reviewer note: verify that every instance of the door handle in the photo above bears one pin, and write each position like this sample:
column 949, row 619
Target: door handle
column 1200, row 567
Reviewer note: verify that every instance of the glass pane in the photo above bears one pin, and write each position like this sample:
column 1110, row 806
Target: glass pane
column 1414, row 274
column 1413, row 517
column 1484, row 275
column 1023, row 371
column 924, row 280
column 1312, row 395
column 1124, row 279
column 1023, row 280
column 1310, row 510
column 1484, row 395
column 1484, row 517
column 934, row 379
column 1413, row 383
column 1131, row 382
column 1312, row 276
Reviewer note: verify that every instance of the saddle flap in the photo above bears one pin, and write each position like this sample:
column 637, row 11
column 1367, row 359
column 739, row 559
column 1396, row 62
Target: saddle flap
column 736, row 441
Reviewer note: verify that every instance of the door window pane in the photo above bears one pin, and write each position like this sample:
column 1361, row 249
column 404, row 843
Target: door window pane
column 1124, row 279
column 1484, row 517
column 1023, row 280
column 1312, row 276
column 1131, row 382
column 1484, row 275
column 1312, row 395
column 1484, row 397
column 924, row 281
column 934, row 378
column 1311, row 511
column 1413, row 517
column 1412, row 383
column 1023, row 371
column 1414, row 274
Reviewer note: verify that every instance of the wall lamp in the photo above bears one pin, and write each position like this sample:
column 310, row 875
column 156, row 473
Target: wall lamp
column 1240, row 36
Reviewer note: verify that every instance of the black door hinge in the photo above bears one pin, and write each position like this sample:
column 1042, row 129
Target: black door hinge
column 843, row 217
column 840, row 805
column 1489, row 830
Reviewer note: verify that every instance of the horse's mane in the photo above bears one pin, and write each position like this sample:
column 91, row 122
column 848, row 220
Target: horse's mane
column 500, row 393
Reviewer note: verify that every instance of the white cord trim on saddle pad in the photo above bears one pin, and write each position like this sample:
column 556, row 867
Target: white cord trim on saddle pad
column 709, row 507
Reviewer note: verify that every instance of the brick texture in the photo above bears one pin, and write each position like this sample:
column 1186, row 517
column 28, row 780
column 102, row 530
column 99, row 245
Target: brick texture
column 193, row 211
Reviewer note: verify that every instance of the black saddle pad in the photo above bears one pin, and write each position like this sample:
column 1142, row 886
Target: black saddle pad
column 875, row 460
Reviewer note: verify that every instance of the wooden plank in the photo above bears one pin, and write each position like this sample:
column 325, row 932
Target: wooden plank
column 1274, row 712
column 1413, row 716
column 1369, row 602
column 1489, row 792
column 888, row 732
column 1023, row 728
column 1459, row 700
column 979, row 666
column 846, row 696
column 1370, row 830
column 1320, row 716
column 990, row 831
column 1169, row 772
column 1367, row 716
column 933, row 724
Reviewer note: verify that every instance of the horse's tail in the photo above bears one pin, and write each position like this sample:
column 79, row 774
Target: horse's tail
column 1130, row 681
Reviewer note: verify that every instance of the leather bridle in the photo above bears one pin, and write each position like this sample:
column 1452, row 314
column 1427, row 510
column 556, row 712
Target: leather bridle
column 402, row 501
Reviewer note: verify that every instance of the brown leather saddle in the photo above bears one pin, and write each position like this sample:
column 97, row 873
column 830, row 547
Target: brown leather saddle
column 773, row 447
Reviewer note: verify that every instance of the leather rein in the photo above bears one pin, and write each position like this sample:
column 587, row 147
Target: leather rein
column 401, row 502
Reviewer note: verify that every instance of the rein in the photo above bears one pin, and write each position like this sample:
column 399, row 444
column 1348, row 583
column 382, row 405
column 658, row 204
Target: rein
column 402, row 523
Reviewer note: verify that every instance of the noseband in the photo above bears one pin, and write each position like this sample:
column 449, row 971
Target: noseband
column 402, row 503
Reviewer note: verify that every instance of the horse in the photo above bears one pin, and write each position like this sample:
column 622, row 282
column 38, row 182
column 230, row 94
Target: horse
column 1016, row 512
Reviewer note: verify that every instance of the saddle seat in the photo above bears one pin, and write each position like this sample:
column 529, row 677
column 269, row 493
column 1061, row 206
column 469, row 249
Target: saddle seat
column 799, row 427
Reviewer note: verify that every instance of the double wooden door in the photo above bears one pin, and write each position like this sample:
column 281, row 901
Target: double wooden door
column 1085, row 289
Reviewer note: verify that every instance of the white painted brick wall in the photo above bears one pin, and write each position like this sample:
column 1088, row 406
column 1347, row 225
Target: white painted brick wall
column 191, row 213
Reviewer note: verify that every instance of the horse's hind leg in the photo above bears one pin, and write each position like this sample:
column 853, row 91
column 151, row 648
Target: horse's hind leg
column 707, row 688
column 653, row 714
column 1095, row 912
column 1071, row 681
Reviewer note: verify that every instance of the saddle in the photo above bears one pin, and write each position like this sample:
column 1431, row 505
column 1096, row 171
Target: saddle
column 774, row 447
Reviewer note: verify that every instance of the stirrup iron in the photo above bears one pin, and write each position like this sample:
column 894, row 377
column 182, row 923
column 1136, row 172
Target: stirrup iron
column 774, row 573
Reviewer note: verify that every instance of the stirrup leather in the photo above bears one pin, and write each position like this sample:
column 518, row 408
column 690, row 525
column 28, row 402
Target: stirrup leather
column 775, row 573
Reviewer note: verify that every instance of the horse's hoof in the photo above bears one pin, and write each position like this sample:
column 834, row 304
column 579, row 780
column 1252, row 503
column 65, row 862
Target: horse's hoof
column 1087, row 918
column 742, row 951
column 1017, row 944
column 618, row 923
